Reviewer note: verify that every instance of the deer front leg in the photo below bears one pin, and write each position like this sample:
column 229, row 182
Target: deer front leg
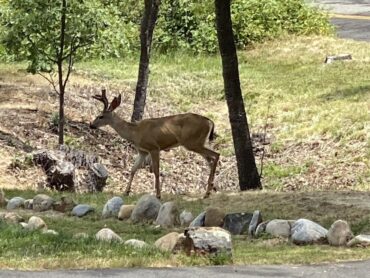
column 138, row 163
column 155, row 168
column 212, row 158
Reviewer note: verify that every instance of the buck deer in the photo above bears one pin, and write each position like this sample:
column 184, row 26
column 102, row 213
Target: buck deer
column 150, row 136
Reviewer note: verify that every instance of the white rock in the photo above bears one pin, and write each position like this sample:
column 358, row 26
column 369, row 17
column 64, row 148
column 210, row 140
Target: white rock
column 136, row 243
column 107, row 234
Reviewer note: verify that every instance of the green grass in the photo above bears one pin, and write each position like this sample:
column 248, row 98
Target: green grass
column 22, row 249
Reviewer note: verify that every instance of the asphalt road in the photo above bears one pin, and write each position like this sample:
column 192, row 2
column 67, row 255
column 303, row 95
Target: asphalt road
column 345, row 270
column 351, row 17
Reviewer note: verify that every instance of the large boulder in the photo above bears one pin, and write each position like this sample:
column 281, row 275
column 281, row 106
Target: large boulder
column 112, row 207
column 15, row 203
column 278, row 228
column 237, row 223
column 360, row 240
column 199, row 220
column 171, row 242
column 214, row 217
column 107, row 234
column 168, row 215
column 256, row 220
column 82, row 210
column 36, row 223
column 207, row 240
column 339, row 233
column 185, row 218
column 305, row 231
column 146, row 209
column 42, row 202
column 125, row 212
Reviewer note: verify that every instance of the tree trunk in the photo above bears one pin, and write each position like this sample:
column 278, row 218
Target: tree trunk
column 247, row 170
column 146, row 34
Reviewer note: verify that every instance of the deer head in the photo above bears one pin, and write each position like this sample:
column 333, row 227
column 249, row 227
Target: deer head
column 105, row 117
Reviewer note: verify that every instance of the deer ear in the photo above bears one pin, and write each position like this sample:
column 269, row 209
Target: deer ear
column 115, row 103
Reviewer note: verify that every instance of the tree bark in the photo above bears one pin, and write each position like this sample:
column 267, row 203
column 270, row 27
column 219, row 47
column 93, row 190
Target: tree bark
column 247, row 170
column 146, row 34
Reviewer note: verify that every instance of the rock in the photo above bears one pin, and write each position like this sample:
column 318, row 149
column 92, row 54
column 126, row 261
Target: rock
column 3, row 200
column 136, row 243
column 360, row 240
column 340, row 57
column 125, row 212
column 237, row 223
column 305, row 231
column 171, row 242
column 11, row 217
column 339, row 233
column 65, row 204
column 15, row 203
column 207, row 240
column 168, row 215
column 185, row 218
column 278, row 228
column 50, row 232
column 28, row 204
column 261, row 228
column 23, row 224
column 256, row 219
column 198, row 221
column 80, row 235
column 214, row 217
column 107, row 234
column 112, row 207
column 82, row 210
column 146, row 209
column 36, row 223
column 42, row 202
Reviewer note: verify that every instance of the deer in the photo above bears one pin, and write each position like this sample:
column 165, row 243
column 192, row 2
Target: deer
column 150, row 136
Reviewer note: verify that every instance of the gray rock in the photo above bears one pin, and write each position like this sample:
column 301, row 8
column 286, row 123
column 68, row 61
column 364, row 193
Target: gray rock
column 305, row 231
column 278, row 228
column 261, row 228
column 11, row 217
column 339, row 233
column 237, row 223
column 207, row 240
column 198, row 221
column 146, row 209
column 171, row 242
column 15, row 203
column 36, row 223
column 66, row 204
column 125, row 212
column 214, row 217
column 112, row 207
column 107, row 234
column 28, row 204
column 42, row 202
column 256, row 220
column 82, row 210
column 136, row 243
column 185, row 218
column 360, row 240
column 168, row 215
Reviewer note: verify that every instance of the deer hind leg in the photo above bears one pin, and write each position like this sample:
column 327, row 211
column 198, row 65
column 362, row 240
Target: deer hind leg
column 212, row 158
column 155, row 167
column 138, row 164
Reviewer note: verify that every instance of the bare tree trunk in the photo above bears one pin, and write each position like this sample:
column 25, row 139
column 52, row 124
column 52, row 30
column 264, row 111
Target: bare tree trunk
column 60, row 73
column 247, row 170
column 146, row 34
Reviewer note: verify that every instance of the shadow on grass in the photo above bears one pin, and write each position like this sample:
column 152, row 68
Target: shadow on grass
column 356, row 93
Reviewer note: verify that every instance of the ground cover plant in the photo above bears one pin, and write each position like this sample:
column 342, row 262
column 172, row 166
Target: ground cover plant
column 316, row 122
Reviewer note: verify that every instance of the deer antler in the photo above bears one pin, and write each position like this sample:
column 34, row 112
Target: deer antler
column 102, row 98
column 115, row 103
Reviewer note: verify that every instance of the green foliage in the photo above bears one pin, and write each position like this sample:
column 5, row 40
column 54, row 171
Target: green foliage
column 33, row 30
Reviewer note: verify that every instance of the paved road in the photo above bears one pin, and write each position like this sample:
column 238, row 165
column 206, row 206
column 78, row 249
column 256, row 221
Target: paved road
column 351, row 17
column 345, row 270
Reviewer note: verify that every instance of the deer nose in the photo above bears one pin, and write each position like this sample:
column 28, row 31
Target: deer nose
column 92, row 126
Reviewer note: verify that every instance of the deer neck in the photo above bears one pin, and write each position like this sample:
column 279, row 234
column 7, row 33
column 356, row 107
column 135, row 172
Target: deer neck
column 125, row 129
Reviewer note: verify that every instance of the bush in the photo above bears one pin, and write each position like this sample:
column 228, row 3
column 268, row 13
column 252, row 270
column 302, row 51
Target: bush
column 190, row 24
